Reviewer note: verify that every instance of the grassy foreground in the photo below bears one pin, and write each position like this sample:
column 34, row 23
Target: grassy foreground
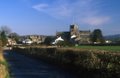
column 87, row 62
column 3, row 66
column 107, row 48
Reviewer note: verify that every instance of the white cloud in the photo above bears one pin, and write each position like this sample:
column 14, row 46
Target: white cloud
column 40, row 7
column 82, row 10
column 95, row 21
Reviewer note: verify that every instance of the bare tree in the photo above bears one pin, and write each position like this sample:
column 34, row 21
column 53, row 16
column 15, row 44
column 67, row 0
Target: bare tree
column 6, row 29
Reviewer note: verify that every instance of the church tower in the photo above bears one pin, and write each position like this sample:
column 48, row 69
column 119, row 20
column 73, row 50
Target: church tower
column 74, row 30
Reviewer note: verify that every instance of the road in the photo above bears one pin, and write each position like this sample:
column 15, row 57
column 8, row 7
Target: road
column 24, row 67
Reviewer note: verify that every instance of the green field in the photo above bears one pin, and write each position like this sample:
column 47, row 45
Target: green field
column 107, row 48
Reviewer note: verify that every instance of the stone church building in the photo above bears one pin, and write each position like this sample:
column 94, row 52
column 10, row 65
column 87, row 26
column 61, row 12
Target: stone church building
column 75, row 35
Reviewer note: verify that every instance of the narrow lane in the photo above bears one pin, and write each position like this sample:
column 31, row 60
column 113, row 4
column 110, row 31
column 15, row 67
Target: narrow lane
column 25, row 67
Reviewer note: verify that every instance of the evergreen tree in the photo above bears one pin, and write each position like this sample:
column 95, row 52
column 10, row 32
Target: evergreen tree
column 97, row 36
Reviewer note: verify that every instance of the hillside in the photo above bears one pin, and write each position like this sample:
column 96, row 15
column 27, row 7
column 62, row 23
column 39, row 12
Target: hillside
column 115, row 37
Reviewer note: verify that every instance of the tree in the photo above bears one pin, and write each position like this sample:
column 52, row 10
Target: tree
column 6, row 29
column 14, row 36
column 3, row 38
column 4, row 32
column 48, row 40
column 97, row 36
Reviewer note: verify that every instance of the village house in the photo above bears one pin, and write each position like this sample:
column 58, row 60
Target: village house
column 11, row 42
column 30, row 39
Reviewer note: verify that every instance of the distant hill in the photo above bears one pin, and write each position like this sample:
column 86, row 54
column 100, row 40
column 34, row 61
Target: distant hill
column 115, row 37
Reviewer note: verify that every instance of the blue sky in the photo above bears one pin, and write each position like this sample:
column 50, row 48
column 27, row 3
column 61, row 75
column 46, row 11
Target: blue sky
column 45, row 17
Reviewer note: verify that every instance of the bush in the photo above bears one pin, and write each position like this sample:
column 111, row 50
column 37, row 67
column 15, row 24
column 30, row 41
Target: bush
column 65, row 44
column 95, row 62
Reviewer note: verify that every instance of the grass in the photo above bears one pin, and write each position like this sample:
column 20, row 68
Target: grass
column 84, row 47
column 6, row 65
column 107, row 48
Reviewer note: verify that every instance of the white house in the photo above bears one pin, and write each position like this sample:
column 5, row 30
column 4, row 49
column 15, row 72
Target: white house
column 57, row 40
column 27, row 41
